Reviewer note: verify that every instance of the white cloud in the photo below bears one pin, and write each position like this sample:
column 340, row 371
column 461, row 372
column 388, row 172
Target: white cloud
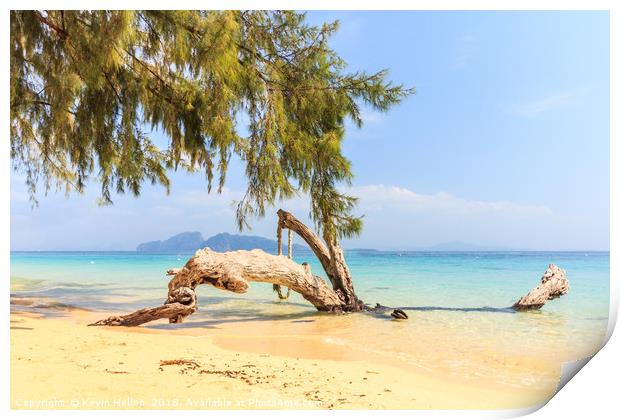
column 372, row 117
column 381, row 197
column 399, row 218
column 465, row 49
column 204, row 198
column 547, row 103
column 394, row 218
column 350, row 32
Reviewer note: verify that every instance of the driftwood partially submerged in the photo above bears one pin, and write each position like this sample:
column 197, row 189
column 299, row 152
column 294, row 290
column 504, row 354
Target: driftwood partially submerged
column 233, row 271
column 553, row 284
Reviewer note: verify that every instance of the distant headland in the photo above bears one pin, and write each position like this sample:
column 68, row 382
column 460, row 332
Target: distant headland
column 222, row 242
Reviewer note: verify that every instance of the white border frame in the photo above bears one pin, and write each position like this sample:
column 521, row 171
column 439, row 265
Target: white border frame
column 591, row 394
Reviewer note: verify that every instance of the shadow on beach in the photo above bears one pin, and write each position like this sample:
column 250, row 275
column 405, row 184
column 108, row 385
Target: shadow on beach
column 237, row 315
column 450, row 309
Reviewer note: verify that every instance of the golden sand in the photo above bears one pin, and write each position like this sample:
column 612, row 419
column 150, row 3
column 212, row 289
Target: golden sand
column 62, row 363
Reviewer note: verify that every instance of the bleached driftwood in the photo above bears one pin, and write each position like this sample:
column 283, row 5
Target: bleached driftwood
column 231, row 271
column 181, row 302
column 234, row 270
column 553, row 284
column 331, row 256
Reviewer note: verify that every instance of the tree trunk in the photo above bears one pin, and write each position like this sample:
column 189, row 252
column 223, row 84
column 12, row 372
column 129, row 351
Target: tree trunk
column 331, row 257
column 553, row 284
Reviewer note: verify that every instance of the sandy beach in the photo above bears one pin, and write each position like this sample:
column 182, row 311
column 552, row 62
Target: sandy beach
column 321, row 209
column 60, row 362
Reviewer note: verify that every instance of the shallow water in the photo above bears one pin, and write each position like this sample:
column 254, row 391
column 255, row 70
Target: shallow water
column 459, row 322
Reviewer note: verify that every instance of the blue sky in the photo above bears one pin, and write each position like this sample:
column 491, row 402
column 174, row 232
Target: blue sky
column 506, row 143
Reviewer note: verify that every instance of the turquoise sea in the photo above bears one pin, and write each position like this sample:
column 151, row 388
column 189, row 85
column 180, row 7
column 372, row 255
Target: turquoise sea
column 458, row 304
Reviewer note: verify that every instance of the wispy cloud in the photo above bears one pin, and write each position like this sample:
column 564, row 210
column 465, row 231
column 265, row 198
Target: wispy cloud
column 370, row 116
column 395, row 217
column 372, row 199
column 548, row 102
column 399, row 218
column 350, row 31
column 382, row 197
column 465, row 49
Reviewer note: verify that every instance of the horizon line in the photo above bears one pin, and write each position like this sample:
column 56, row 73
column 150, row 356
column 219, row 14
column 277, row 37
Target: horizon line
column 309, row 250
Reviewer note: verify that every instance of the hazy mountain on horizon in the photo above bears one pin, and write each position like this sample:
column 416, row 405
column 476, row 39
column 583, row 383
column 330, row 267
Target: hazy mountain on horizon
column 222, row 242
column 191, row 241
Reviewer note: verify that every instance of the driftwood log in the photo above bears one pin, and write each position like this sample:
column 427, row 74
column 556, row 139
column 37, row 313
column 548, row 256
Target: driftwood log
column 331, row 256
column 233, row 271
column 553, row 284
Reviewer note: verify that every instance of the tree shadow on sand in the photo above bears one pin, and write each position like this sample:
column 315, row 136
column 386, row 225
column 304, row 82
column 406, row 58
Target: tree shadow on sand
column 507, row 310
column 238, row 315
column 241, row 316
column 381, row 311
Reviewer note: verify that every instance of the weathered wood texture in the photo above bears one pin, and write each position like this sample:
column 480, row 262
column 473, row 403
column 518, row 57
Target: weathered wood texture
column 181, row 302
column 331, row 257
column 553, row 284
column 232, row 271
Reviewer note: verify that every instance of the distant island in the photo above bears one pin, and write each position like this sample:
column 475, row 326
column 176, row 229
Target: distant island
column 222, row 242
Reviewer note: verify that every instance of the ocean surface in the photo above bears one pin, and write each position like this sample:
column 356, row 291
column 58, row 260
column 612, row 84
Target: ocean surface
column 460, row 322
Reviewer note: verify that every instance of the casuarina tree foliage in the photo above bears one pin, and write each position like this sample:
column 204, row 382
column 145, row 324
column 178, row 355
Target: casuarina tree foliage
column 87, row 88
